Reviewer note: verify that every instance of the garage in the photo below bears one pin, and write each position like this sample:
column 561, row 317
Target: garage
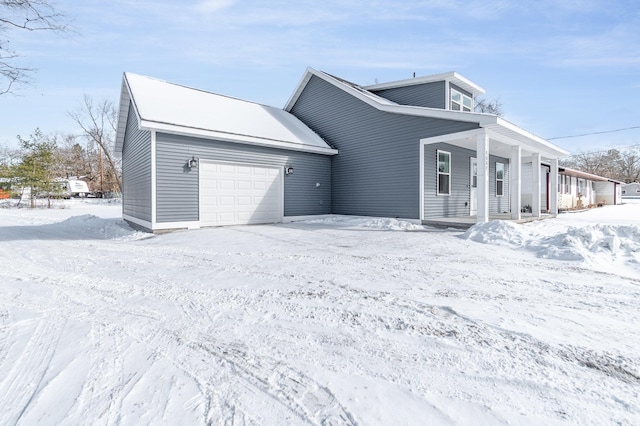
column 239, row 194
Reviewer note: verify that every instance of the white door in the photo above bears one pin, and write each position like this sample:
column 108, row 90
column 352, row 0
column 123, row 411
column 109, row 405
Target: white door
column 473, row 185
column 238, row 194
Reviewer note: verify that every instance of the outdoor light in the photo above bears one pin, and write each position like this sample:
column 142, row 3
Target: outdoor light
column 288, row 170
column 193, row 162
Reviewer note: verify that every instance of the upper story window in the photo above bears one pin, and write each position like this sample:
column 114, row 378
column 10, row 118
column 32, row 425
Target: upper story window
column 460, row 101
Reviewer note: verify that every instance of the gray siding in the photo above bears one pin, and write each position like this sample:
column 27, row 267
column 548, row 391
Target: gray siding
column 177, row 185
column 376, row 172
column 458, row 203
column 430, row 95
column 136, row 170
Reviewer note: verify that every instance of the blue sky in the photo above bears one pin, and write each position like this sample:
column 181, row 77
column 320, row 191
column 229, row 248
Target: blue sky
column 559, row 67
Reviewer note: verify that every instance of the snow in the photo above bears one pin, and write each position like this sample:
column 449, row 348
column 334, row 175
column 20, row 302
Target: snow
column 341, row 320
column 197, row 111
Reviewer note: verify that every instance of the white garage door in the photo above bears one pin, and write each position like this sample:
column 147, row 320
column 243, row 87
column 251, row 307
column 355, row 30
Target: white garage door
column 234, row 194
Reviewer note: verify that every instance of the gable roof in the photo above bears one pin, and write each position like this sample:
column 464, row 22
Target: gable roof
column 172, row 108
column 451, row 77
column 499, row 127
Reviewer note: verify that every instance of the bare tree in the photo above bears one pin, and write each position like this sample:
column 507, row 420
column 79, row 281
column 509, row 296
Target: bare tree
column 98, row 122
column 29, row 15
column 629, row 167
column 618, row 164
column 488, row 107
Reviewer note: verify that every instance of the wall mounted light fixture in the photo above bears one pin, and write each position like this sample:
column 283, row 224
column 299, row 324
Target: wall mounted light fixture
column 288, row 170
column 192, row 163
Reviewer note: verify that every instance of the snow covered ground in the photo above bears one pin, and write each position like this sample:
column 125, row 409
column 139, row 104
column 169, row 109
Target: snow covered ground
column 335, row 321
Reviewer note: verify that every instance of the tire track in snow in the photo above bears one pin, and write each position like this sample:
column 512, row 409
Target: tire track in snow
column 18, row 389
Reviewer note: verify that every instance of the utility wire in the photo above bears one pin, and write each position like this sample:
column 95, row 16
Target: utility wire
column 594, row 133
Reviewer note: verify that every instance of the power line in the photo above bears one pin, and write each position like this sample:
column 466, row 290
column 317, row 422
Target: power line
column 594, row 133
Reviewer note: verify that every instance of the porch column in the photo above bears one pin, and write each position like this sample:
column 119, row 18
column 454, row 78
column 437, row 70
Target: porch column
column 483, row 178
column 553, row 190
column 535, row 193
column 515, row 181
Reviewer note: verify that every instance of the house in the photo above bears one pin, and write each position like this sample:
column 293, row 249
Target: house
column 412, row 149
column 576, row 189
column 630, row 190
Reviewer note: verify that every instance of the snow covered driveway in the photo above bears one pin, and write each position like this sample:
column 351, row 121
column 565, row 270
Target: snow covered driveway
column 338, row 321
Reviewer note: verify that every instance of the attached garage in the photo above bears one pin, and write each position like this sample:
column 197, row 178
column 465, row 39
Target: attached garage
column 194, row 159
column 240, row 194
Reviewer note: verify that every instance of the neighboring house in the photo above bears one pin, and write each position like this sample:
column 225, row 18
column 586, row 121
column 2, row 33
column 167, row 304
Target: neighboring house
column 576, row 189
column 411, row 149
column 631, row 190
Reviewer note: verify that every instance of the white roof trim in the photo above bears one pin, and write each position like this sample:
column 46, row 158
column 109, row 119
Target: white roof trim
column 173, row 108
column 230, row 137
column 500, row 127
column 451, row 76
column 585, row 175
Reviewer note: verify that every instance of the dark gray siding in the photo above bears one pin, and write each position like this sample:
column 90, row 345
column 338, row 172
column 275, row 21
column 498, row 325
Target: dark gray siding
column 457, row 204
column 136, row 170
column 430, row 95
column 177, row 185
column 376, row 172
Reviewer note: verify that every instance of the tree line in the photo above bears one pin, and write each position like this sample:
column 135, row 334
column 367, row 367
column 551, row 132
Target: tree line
column 42, row 161
column 619, row 164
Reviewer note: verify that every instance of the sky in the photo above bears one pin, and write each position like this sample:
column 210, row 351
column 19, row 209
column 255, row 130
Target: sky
column 559, row 67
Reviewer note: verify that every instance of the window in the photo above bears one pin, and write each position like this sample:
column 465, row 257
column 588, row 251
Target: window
column 460, row 101
column 444, row 173
column 499, row 179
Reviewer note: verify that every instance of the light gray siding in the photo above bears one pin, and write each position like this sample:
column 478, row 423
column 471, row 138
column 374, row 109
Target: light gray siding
column 177, row 185
column 136, row 170
column 458, row 202
column 430, row 95
column 376, row 172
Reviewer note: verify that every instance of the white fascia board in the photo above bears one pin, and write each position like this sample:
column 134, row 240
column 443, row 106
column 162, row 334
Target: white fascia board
column 544, row 145
column 126, row 98
column 227, row 137
column 451, row 76
column 470, row 117
column 299, row 88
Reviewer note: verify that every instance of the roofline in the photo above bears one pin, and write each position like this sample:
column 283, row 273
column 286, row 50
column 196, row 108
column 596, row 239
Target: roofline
column 232, row 137
column 450, row 76
column 483, row 120
column 580, row 173
column 545, row 143
column 472, row 117
column 150, row 125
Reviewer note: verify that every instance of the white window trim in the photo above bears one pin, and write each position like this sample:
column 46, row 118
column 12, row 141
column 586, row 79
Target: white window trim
column 462, row 96
column 438, row 173
column 500, row 180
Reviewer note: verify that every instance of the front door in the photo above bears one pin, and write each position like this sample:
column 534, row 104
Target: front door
column 473, row 185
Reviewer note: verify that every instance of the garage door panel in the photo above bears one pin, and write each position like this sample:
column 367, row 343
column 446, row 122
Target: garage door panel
column 239, row 194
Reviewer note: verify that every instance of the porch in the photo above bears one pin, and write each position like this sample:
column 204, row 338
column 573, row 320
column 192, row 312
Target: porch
column 517, row 147
column 466, row 222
